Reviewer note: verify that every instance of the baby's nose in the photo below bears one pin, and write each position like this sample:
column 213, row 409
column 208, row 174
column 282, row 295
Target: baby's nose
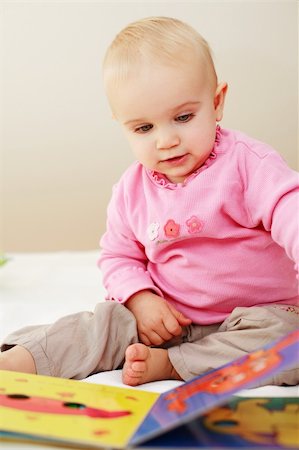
column 167, row 139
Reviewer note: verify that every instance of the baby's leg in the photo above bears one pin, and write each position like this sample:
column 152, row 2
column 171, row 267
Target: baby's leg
column 144, row 364
column 18, row 359
column 245, row 330
column 75, row 346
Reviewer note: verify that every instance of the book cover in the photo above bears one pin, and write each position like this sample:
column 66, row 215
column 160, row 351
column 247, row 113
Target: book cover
column 70, row 412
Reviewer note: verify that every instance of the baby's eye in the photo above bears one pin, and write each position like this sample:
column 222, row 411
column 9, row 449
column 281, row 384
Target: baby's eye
column 143, row 128
column 184, row 117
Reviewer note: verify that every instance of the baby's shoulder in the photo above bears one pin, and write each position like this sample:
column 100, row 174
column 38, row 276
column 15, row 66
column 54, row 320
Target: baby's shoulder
column 248, row 146
column 131, row 179
column 131, row 174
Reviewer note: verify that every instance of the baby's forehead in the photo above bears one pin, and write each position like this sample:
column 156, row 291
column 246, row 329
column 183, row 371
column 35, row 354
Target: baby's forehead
column 147, row 66
column 158, row 91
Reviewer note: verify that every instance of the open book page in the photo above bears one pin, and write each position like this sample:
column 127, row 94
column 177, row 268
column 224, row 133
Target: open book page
column 243, row 422
column 70, row 411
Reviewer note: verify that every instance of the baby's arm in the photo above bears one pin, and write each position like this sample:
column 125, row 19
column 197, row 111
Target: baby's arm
column 157, row 320
column 272, row 197
column 123, row 260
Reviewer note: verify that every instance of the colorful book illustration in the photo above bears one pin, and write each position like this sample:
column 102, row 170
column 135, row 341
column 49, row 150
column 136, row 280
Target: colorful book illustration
column 69, row 412
column 241, row 423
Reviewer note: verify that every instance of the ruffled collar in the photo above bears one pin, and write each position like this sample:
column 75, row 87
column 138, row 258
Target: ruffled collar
column 162, row 181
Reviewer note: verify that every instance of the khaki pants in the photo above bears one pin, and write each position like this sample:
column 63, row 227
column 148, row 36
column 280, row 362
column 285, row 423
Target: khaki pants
column 81, row 344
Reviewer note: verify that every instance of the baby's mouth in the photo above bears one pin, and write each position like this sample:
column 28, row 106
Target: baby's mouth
column 175, row 159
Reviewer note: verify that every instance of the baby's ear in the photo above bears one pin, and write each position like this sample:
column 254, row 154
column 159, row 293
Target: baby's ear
column 219, row 100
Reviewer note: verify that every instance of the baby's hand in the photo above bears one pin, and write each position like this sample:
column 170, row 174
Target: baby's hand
column 157, row 320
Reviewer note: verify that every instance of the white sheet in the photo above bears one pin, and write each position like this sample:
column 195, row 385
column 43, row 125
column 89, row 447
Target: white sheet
column 41, row 287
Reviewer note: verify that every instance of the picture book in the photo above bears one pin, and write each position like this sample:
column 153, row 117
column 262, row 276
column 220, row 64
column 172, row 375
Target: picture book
column 246, row 423
column 70, row 412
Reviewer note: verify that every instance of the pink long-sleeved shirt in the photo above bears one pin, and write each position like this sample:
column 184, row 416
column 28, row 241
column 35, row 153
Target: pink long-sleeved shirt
column 226, row 237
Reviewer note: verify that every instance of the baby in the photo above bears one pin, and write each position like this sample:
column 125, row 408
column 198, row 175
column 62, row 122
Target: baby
column 200, row 255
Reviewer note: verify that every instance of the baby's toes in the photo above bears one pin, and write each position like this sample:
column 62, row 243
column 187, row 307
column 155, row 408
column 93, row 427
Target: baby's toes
column 137, row 352
column 138, row 367
column 130, row 376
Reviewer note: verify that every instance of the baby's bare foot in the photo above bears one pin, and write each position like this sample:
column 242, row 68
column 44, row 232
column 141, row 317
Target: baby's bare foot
column 144, row 364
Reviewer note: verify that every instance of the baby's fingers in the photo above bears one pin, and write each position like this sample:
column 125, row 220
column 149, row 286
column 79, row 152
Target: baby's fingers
column 144, row 339
column 172, row 325
column 180, row 317
column 155, row 338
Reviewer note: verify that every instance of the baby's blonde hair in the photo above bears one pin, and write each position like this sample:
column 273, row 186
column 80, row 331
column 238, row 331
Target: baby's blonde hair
column 161, row 40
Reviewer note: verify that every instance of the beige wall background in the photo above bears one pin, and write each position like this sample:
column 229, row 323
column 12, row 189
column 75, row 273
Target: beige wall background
column 60, row 150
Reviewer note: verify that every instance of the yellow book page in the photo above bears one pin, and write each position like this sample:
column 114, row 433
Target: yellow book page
column 71, row 411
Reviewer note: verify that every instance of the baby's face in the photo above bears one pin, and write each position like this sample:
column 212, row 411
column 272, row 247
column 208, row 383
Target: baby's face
column 169, row 117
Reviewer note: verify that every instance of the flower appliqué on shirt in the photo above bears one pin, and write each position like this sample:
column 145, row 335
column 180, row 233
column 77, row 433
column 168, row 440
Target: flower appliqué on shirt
column 171, row 229
column 194, row 225
column 153, row 231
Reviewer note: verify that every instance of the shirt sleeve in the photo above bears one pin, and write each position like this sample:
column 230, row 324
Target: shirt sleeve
column 122, row 261
column 272, row 197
